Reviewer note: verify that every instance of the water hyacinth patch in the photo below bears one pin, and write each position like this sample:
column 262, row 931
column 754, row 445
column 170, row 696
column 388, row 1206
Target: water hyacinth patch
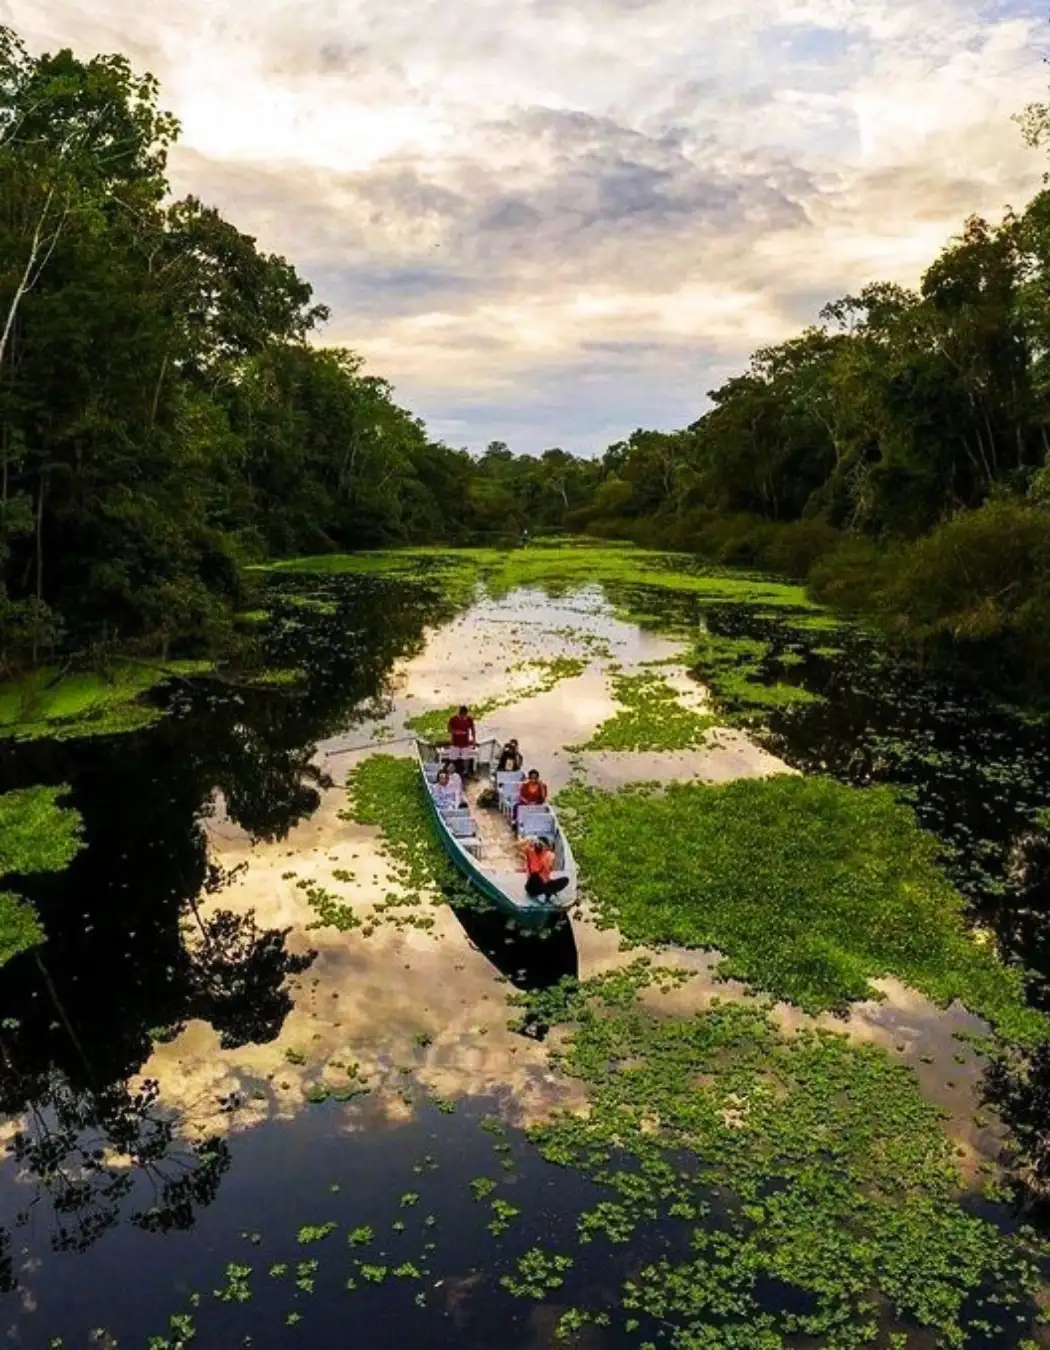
column 731, row 667
column 385, row 791
column 37, row 835
column 803, row 1161
column 653, row 717
column 809, row 888
column 550, row 672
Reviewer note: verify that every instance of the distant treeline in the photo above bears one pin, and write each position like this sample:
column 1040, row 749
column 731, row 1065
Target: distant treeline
column 895, row 458
column 164, row 418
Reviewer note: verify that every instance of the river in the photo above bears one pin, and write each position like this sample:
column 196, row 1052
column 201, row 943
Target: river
column 196, row 1082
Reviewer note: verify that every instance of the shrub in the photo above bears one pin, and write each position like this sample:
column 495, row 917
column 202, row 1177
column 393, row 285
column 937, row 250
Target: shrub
column 796, row 547
column 851, row 575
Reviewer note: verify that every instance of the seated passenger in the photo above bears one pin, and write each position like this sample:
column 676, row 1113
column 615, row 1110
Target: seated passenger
column 454, row 778
column 539, row 864
column 510, row 760
column 446, row 794
column 533, row 792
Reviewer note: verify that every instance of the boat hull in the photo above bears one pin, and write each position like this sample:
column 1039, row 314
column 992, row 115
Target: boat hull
column 527, row 912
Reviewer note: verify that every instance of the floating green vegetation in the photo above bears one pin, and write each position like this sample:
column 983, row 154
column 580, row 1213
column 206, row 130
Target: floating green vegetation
column 48, row 703
column 563, row 568
column 385, row 791
column 550, row 672
column 730, row 667
column 817, row 623
column 537, row 1274
column 276, row 677
column 311, row 602
column 557, row 570
column 252, row 618
column 36, row 835
column 809, row 888
column 330, row 910
column 454, row 572
column 237, row 1288
column 653, row 718
column 503, row 1215
column 801, row 1163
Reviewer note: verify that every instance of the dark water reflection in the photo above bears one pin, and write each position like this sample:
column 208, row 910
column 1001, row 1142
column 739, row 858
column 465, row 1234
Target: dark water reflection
column 79, row 1018
column 309, row 1172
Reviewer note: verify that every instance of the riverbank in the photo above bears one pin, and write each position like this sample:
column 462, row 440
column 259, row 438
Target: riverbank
column 971, row 597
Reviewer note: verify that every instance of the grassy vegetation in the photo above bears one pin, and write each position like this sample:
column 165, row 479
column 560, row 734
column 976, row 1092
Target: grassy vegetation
column 653, row 717
column 36, row 835
column 549, row 672
column 557, row 569
column 803, row 1163
column 50, row 704
column 809, row 888
column 731, row 668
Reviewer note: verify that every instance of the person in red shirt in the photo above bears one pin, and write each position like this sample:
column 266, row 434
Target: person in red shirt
column 461, row 737
column 533, row 792
column 539, row 866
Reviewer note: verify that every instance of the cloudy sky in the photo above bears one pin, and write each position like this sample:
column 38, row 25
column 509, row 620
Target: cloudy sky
column 550, row 222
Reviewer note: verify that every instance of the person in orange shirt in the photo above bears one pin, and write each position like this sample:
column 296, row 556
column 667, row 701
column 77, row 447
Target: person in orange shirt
column 539, row 867
column 533, row 792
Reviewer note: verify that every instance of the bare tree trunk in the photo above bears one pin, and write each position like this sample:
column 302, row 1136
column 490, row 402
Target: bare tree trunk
column 991, row 444
column 156, row 391
column 32, row 269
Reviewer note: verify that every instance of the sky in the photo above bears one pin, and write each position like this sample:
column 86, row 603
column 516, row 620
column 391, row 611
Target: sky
column 549, row 223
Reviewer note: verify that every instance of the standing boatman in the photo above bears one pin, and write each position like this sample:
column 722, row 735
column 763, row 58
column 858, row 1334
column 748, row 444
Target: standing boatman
column 462, row 737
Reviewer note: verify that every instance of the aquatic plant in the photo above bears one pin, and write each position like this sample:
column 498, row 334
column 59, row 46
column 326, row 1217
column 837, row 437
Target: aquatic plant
column 732, row 666
column 802, row 1161
column 653, row 717
column 47, row 703
column 809, row 888
column 432, row 725
column 458, row 571
column 36, row 835
column 385, row 791
column 537, row 1273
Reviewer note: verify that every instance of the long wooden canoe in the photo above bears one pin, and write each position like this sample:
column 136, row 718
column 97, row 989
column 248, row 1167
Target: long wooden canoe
column 481, row 842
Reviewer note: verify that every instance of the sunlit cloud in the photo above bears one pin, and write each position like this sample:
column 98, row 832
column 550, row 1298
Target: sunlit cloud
column 549, row 224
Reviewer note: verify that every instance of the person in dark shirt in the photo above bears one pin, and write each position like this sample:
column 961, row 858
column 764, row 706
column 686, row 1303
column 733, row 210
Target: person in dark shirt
column 461, row 728
column 510, row 760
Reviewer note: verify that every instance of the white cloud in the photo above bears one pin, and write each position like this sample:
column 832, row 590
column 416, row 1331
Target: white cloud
column 558, row 222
